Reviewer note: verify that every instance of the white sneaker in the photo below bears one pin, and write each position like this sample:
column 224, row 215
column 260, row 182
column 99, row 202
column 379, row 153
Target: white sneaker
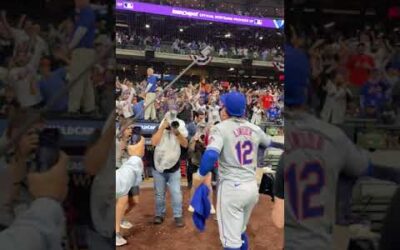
column 212, row 211
column 119, row 240
column 191, row 209
column 126, row 224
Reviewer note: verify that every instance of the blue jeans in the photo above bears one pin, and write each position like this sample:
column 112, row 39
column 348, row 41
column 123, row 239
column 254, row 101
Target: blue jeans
column 174, row 184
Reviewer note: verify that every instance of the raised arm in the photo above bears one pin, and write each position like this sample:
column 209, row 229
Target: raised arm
column 7, row 26
column 21, row 21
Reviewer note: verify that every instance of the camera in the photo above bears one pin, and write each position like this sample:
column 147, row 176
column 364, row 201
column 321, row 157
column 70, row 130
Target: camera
column 201, row 129
column 172, row 119
column 136, row 135
column 48, row 152
column 175, row 124
column 172, row 115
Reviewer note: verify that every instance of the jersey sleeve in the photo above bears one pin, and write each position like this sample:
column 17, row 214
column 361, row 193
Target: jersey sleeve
column 356, row 160
column 265, row 140
column 215, row 141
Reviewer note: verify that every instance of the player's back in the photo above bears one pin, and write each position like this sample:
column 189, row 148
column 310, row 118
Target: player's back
column 240, row 140
column 315, row 153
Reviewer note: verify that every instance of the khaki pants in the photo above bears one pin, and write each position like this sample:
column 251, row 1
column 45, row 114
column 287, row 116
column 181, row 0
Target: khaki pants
column 150, row 112
column 82, row 92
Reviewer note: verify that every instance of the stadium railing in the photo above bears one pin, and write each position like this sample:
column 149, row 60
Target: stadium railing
column 168, row 49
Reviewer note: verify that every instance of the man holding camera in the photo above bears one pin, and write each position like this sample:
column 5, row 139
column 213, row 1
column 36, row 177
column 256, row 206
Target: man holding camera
column 192, row 127
column 168, row 139
column 197, row 146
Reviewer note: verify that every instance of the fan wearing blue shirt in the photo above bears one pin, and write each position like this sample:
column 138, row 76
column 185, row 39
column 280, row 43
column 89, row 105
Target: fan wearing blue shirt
column 81, row 94
column 51, row 83
column 273, row 113
column 137, row 108
column 373, row 95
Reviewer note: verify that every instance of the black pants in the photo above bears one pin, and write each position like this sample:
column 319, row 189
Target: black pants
column 191, row 169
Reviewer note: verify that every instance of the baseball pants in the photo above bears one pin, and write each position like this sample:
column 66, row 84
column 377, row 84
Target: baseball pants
column 235, row 203
column 82, row 92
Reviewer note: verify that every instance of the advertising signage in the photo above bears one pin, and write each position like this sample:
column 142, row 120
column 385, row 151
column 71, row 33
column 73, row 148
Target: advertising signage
column 199, row 14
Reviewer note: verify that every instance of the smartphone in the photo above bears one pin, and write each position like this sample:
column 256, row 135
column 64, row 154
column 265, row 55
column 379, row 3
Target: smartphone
column 48, row 152
column 136, row 135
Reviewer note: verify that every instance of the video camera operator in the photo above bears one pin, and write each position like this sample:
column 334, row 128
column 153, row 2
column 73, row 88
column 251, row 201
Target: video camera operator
column 196, row 149
column 168, row 139
column 198, row 117
column 197, row 146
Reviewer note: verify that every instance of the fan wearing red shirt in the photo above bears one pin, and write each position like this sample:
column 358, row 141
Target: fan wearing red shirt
column 267, row 100
column 360, row 66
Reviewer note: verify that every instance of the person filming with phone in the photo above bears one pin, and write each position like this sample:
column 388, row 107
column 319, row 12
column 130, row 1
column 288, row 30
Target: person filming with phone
column 34, row 183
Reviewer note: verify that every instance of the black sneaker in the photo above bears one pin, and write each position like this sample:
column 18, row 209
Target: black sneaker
column 158, row 220
column 179, row 222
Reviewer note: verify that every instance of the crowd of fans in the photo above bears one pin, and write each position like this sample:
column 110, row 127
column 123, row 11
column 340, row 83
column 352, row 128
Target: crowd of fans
column 264, row 103
column 184, row 117
column 38, row 60
column 220, row 48
column 354, row 74
column 225, row 7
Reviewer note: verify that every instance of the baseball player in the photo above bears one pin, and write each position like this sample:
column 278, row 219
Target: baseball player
column 234, row 143
column 315, row 154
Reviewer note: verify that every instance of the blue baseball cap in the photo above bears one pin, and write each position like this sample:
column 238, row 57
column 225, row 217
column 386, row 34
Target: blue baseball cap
column 297, row 74
column 234, row 103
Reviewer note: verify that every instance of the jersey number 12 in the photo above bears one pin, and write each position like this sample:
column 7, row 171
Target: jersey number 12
column 300, row 199
column 244, row 151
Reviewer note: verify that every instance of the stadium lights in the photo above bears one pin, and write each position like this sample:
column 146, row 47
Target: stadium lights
column 147, row 26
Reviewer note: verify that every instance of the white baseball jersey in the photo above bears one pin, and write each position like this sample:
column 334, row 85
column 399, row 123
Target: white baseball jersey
column 237, row 141
column 316, row 152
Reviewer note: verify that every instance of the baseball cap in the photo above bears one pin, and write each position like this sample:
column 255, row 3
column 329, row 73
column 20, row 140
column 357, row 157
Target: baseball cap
column 235, row 103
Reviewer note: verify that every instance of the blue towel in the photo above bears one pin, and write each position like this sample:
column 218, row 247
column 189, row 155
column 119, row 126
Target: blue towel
column 202, row 207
